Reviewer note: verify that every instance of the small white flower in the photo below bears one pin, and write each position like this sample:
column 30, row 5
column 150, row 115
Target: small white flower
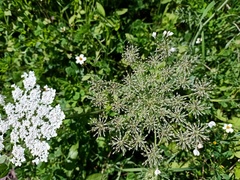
column 157, row 172
column 228, row 128
column 196, row 152
column 154, row 34
column 167, row 33
column 199, row 40
column 211, row 124
column 200, row 146
column 172, row 49
column 80, row 59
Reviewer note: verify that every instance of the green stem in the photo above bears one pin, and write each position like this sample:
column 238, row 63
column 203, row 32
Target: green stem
column 203, row 24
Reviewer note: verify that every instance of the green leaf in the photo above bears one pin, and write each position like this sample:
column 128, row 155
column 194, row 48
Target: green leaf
column 237, row 154
column 3, row 159
column 73, row 151
column 208, row 8
column 86, row 77
column 237, row 171
column 235, row 121
column 130, row 37
column 4, row 169
column 71, row 19
column 79, row 110
column 179, row 167
column 220, row 116
column 100, row 9
column 101, row 142
column 7, row 13
column 76, row 96
column 70, row 71
column 165, row 1
column 121, row 11
column 97, row 176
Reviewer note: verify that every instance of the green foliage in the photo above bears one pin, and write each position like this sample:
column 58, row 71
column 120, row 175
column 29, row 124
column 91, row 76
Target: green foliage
column 46, row 36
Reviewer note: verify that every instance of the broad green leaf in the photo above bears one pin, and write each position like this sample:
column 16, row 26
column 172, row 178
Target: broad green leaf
column 3, row 159
column 237, row 154
column 7, row 13
column 78, row 109
column 70, row 71
column 76, row 96
column 86, row 77
column 71, row 19
column 73, row 151
column 100, row 9
column 129, row 37
column 121, row 11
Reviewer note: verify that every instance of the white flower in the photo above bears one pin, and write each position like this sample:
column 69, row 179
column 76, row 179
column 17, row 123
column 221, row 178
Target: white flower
column 2, row 102
column 154, row 34
column 228, row 128
column 200, row 146
column 199, row 40
column 80, row 59
column 167, row 33
column 31, row 119
column 196, row 152
column 48, row 95
column 29, row 80
column 211, row 124
column 18, row 155
column 172, row 49
column 157, row 172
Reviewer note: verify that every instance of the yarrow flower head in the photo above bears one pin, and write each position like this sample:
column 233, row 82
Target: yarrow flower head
column 80, row 59
column 211, row 124
column 228, row 128
column 31, row 119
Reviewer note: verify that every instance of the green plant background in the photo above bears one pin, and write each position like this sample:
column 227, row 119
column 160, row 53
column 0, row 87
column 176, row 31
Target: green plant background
column 45, row 36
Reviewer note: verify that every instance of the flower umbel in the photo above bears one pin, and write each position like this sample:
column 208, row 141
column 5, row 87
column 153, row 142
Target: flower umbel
column 80, row 59
column 228, row 128
column 31, row 119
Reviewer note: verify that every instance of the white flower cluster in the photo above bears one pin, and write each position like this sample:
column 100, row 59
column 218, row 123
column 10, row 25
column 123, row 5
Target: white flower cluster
column 31, row 119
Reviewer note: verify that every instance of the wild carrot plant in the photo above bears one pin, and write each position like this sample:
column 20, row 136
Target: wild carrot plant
column 160, row 102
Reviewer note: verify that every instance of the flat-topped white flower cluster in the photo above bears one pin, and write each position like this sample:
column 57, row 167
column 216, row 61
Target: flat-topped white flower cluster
column 31, row 119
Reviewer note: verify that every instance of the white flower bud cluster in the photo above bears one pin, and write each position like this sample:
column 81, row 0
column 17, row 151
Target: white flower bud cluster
column 31, row 119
